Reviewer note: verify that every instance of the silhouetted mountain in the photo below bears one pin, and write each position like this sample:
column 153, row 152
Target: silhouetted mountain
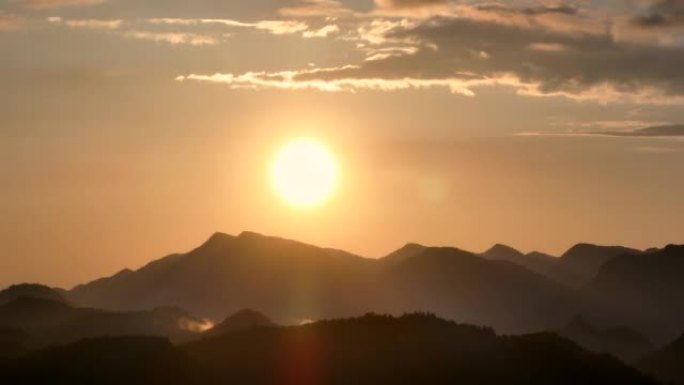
column 243, row 320
column 292, row 281
column 56, row 322
column 580, row 264
column 107, row 360
column 535, row 261
column 30, row 290
column 407, row 251
column 650, row 285
column 463, row 286
column 413, row 349
column 666, row 364
column 289, row 280
column 621, row 342
column 14, row 342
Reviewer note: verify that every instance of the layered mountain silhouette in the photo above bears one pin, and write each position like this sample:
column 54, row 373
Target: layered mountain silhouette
column 622, row 342
column 535, row 261
column 649, row 285
column 14, row 342
column 576, row 267
column 48, row 321
column 667, row 363
column 292, row 282
column 132, row 360
column 412, row 349
column 243, row 320
column 407, row 251
column 87, row 334
column 31, row 290
column 581, row 263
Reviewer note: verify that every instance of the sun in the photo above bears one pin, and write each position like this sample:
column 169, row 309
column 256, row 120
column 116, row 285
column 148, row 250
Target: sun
column 305, row 173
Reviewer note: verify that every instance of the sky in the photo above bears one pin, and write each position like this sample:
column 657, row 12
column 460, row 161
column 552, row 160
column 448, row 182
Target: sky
column 134, row 129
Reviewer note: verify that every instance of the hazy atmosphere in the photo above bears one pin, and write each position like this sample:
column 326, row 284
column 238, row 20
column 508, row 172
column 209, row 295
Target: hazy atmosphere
column 341, row 192
column 130, row 130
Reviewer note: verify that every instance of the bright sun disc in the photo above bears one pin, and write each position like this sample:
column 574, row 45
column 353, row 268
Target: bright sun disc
column 304, row 173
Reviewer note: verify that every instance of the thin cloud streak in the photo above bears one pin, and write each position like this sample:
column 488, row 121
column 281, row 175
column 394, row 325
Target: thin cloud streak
column 50, row 4
column 173, row 38
column 275, row 27
column 673, row 131
column 87, row 23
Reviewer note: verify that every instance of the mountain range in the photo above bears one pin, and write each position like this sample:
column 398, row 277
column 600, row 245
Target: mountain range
column 373, row 349
column 502, row 287
column 620, row 301
column 292, row 282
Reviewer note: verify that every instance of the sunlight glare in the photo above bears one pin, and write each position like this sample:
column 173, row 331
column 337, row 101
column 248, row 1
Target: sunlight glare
column 305, row 173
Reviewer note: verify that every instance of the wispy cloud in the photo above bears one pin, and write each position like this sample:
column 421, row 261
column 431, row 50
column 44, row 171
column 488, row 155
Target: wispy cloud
column 676, row 130
column 324, row 31
column 275, row 27
column 48, row 4
column 86, row 23
column 571, row 50
column 661, row 131
column 318, row 8
column 316, row 79
column 174, row 38
column 409, row 3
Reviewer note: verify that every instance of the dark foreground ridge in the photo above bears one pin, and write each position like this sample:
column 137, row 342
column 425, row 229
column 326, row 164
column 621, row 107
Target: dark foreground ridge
column 373, row 349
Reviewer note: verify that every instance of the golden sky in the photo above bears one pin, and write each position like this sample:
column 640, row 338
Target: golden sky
column 135, row 129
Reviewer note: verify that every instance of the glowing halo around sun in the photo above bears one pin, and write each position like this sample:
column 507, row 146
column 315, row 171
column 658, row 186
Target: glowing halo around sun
column 305, row 173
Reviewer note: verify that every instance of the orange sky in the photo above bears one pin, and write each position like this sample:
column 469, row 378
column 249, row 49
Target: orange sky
column 457, row 124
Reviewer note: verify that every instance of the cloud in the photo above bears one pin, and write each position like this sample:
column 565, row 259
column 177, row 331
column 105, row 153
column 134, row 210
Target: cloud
column 409, row 3
column 275, row 27
column 316, row 80
column 194, row 325
column 325, row 31
column 388, row 52
column 48, row 4
column 611, row 125
column 661, row 23
column 531, row 11
column 530, row 58
column 662, row 14
column 548, row 47
column 173, row 38
column 86, row 23
column 675, row 131
column 318, row 8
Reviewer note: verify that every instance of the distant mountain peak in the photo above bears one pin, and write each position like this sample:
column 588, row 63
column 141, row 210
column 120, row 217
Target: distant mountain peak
column 30, row 290
column 244, row 319
column 218, row 236
column 251, row 234
column 583, row 248
column 217, row 239
column 674, row 248
column 500, row 248
column 407, row 251
column 412, row 247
